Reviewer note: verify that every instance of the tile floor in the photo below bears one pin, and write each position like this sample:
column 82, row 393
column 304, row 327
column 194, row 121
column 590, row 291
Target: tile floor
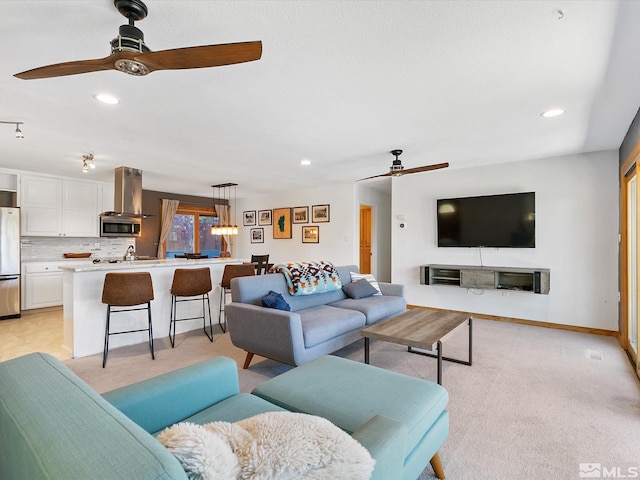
column 33, row 332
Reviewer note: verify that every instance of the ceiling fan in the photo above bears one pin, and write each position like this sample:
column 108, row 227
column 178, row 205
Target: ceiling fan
column 129, row 54
column 397, row 169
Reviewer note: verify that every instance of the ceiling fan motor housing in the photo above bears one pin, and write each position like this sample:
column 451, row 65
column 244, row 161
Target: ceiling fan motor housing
column 396, row 166
column 130, row 39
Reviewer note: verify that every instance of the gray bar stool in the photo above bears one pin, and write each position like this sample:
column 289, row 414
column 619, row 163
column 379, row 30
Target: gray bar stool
column 231, row 271
column 127, row 290
column 190, row 282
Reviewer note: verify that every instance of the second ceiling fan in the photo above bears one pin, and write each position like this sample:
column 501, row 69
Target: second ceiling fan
column 129, row 53
column 397, row 169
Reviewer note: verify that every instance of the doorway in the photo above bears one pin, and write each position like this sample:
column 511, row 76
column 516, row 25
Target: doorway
column 366, row 227
column 629, row 311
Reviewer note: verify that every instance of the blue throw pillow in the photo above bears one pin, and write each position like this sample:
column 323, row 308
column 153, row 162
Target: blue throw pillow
column 359, row 289
column 275, row 300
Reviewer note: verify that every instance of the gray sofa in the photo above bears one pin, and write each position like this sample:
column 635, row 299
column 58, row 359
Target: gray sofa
column 317, row 324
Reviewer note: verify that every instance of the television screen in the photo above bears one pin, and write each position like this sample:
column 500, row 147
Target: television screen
column 507, row 220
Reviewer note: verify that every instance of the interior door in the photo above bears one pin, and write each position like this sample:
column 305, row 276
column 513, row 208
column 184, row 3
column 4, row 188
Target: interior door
column 365, row 238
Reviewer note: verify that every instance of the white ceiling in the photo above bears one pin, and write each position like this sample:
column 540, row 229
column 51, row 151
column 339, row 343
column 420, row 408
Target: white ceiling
column 340, row 83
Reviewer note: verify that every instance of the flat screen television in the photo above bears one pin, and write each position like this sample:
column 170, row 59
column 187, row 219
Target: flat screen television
column 505, row 221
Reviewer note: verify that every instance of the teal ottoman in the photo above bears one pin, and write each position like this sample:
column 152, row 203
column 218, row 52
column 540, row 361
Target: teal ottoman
column 350, row 394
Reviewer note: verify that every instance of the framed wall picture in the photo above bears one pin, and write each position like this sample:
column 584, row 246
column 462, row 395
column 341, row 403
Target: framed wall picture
column 311, row 234
column 257, row 235
column 249, row 218
column 264, row 217
column 282, row 223
column 320, row 213
column 300, row 214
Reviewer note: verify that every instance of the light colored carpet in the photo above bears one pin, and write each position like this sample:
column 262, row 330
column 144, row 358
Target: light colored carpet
column 535, row 404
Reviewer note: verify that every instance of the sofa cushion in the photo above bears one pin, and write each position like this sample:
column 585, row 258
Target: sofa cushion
column 232, row 409
column 325, row 322
column 275, row 300
column 358, row 392
column 252, row 289
column 375, row 308
column 359, row 289
column 355, row 276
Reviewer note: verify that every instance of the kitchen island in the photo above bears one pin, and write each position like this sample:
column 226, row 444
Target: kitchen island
column 85, row 314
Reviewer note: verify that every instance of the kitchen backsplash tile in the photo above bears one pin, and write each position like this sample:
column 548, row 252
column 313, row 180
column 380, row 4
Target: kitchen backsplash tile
column 48, row 248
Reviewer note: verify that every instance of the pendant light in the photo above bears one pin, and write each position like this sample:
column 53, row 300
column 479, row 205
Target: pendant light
column 228, row 228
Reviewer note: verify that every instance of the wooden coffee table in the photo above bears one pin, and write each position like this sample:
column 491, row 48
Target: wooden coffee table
column 420, row 328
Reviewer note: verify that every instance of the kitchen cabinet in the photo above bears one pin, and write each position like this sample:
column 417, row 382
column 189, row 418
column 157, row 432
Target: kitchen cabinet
column 53, row 207
column 80, row 208
column 41, row 285
column 108, row 197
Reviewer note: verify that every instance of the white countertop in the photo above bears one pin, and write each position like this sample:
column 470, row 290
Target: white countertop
column 89, row 266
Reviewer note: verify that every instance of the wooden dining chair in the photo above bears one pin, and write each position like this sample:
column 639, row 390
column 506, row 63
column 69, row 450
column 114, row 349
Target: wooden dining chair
column 261, row 262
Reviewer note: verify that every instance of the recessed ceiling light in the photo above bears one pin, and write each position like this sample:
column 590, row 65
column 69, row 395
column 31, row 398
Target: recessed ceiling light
column 552, row 113
column 305, row 162
column 106, row 98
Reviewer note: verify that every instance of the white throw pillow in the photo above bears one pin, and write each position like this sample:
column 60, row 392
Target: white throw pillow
column 367, row 276
column 282, row 445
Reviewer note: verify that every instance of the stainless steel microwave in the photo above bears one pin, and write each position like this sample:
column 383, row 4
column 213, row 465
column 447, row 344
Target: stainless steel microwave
column 119, row 226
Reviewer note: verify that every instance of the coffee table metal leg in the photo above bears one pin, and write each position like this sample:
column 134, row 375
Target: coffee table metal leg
column 366, row 350
column 439, row 362
column 470, row 325
column 441, row 357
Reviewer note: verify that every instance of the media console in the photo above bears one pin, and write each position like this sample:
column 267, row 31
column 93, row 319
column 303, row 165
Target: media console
column 532, row 280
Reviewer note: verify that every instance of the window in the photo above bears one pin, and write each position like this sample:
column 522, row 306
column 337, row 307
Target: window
column 191, row 232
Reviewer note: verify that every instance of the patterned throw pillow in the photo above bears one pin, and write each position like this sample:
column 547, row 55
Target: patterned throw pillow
column 367, row 276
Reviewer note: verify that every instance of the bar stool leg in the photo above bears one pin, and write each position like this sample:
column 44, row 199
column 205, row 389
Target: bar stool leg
column 223, row 297
column 153, row 357
column 172, row 321
column 204, row 318
column 106, row 338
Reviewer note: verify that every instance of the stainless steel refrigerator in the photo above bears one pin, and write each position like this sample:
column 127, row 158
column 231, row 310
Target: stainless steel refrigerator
column 9, row 262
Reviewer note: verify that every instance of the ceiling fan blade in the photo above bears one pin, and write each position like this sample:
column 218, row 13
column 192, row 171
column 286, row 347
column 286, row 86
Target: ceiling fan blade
column 70, row 68
column 202, row 56
column 424, row 168
column 375, row 176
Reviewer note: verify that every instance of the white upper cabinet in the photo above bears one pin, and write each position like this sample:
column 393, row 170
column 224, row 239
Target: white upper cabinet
column 41, row 205
column 54, row 207
column 80, row 208
column 108, row 198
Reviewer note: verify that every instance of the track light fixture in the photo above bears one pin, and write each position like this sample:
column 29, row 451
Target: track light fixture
column 19, row 133
column 87, row 162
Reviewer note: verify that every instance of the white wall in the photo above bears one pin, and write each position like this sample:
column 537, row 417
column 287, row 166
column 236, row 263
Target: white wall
column 577, row 217
column 339, row 238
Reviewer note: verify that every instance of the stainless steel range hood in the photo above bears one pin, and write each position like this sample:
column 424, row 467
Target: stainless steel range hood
column 128, row 193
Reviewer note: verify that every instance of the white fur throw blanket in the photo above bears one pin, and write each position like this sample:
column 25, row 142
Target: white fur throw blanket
column 269, row 446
